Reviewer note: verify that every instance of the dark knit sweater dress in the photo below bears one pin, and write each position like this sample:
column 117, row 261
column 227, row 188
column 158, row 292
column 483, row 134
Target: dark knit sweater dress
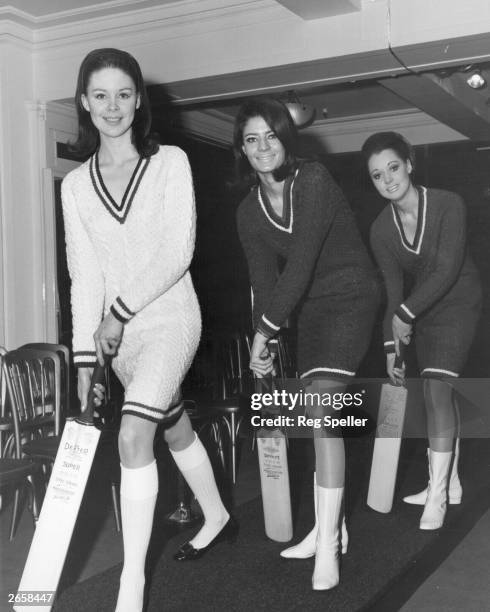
column 326, row 272
column 445, row 298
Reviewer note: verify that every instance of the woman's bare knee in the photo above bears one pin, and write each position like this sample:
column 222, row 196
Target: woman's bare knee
column 135, row 441
column 438, row 394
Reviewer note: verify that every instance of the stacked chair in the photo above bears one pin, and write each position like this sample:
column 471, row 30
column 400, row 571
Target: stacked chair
column 65, row 380
column 34, row 390
column 38, row 398
column 227, row 391
column 16, row 472
column 215, row 399
column 220, row 384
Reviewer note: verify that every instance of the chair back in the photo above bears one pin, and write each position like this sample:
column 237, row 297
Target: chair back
column 232, row 357
column 220, row 368
column 33, row 379
column 64, row 353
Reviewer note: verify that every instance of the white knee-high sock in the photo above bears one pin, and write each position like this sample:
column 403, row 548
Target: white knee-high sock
column 196, row 468
column 139, row 489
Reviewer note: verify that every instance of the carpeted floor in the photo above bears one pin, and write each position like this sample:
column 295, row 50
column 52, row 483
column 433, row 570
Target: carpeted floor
column 384, row 549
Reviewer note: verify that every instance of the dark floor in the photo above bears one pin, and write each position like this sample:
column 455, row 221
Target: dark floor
column 460, row 582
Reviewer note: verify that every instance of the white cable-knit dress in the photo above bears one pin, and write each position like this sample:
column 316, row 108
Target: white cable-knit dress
column 133, row 258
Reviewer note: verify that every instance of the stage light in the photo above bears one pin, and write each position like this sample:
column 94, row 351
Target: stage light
column 475, row 80
column 301, row 114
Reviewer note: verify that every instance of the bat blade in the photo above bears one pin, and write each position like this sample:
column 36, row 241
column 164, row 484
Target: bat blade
column 60, row 507
column 384, row 466
column 274, row 482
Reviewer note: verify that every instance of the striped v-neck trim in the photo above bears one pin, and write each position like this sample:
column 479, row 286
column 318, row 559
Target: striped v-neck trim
column 118, row 211
column 284, row 222
column 416, row 246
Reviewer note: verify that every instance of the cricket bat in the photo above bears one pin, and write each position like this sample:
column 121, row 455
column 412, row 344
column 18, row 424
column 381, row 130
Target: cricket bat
column 60, row 508
column 384, row 466
column 274, row 482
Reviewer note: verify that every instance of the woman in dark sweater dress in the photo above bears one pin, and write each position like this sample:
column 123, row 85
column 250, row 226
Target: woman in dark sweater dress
column 296, row 214
column 422, row 233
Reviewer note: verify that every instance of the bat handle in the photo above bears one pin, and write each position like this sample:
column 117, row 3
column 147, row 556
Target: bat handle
column 399, row 358
column 267, row 380
column 98, row 378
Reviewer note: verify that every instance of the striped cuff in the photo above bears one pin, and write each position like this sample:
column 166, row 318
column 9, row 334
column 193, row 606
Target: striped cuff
column 389, row 346
column 404, row 314
column 84, row 359
column 267, row 328
column 121, row 311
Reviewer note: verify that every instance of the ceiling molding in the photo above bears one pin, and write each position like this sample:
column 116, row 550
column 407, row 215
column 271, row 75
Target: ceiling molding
column 108, row 7
column 372, row 122
column 81, row 24
column 348, row 134
column 65, row 109
column 333, row 135
column 11, row 13
column 209, row 125
column 14, row 32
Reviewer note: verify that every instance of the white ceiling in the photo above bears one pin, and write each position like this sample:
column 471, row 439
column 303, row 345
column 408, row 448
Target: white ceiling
column 443, row 96
column 44, row 8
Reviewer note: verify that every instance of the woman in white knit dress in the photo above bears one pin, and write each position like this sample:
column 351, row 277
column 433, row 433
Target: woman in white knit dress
column 130, row 224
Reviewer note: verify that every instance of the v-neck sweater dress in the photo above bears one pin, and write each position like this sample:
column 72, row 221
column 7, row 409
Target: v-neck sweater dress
column 133, row 259
column 327, row 275
column 445, row 298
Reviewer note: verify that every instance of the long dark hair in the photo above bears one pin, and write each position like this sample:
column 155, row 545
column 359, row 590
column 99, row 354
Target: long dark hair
column 388, row 140
column 88, row 135
column 277, row 117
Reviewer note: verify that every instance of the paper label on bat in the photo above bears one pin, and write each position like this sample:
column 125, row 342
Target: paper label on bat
column 391, row 411
column 73, row 462
column 271, row 458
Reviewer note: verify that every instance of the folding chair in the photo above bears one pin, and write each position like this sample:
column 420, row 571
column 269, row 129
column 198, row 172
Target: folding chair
column 34, row 383
column 17, row 472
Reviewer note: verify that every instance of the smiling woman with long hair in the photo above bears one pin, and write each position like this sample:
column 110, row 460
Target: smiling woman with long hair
column 295, row 214
column 130, row 228
column 422, row 234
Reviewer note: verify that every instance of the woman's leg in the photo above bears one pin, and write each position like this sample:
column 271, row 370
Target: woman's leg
column 307, row 547
column 329, row 443
column 455, row 490
column 193, row 461
column 330, row 475
column 441, row 427
column 441, row 415
column 139, row 489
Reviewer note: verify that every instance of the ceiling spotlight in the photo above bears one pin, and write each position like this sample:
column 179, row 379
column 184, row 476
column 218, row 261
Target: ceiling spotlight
column 475, row 80
column 301, row 114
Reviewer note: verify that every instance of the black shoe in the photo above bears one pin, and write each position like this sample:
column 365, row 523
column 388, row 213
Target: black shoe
column 187, row 552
